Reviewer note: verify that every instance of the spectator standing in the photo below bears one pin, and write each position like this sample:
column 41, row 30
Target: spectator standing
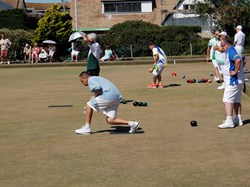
column 5, row 46
column 93, row 67
column 239, row 40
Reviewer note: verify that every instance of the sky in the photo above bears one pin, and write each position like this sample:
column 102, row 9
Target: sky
column 44, row 1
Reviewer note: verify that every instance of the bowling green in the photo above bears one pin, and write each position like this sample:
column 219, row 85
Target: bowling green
column 39, row 146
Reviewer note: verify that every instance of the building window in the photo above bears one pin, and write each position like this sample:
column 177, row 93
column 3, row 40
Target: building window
column 116, row 7
column 188, row 7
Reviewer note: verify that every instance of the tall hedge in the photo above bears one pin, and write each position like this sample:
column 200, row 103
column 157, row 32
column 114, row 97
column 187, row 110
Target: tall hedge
column 55, row 25
column 175, row 40
column 17, row 19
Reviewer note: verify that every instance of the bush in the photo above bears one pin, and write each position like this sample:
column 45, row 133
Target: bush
column 57, row 26
column 174, row 40
column 18, row 39
column 17, row 19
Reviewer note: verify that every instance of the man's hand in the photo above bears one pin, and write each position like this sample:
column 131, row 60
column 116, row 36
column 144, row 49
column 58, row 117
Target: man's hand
column 233, row 73
column 208, row 59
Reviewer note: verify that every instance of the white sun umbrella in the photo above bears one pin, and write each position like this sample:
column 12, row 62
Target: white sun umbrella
column 49, row 42
column 76, row 35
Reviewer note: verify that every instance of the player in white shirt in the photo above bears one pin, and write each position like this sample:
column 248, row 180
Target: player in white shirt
column 211, row 55
column 220, row 57
column 160, row 61
column 239, row 40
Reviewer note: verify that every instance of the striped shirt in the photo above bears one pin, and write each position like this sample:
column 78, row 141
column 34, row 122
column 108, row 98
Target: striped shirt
column 162, row 56
column 231, row 56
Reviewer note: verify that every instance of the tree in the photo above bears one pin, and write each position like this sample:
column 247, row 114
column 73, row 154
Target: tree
column 12, row 19
column 17, row 19
column 130, row 33
column 174, row 40
column 55, row 25
column 227, row 14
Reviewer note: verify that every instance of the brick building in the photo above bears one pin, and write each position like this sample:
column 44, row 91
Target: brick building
column 101, row 15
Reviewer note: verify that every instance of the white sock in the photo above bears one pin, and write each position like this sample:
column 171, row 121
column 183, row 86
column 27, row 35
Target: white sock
column 229, row 118
column 87, row 125
column 239, row 117
column 130, row 123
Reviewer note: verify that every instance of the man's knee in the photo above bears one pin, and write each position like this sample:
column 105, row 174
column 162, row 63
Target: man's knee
column 155, row 77
column 110, row 120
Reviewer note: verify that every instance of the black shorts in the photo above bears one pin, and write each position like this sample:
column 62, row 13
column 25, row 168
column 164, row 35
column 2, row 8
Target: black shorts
column 94, row 72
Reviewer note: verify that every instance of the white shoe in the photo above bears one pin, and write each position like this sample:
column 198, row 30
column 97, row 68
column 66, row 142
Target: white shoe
column 134, row 125
column 1, row 62
column 8, row 62
column 226, row 124
column 236, row 121
column 216, row 78
column 221, row 87
column 83, row 130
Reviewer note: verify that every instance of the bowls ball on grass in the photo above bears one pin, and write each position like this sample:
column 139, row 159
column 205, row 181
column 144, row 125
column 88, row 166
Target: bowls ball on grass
column 193, row 123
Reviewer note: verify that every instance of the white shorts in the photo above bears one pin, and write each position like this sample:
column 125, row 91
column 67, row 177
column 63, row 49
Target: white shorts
column 109, row 107
column 74, row 53
column 239, row 49
column 159, row 69
column 232, row 94
column 217, row 65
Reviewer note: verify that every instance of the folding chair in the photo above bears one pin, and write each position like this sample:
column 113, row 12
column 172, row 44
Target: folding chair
column 121, row 53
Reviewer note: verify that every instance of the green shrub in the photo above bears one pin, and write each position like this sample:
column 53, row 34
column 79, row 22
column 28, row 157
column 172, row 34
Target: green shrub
column 174, row 40
column 57, row 26
column 17, row 19
column 18, row 39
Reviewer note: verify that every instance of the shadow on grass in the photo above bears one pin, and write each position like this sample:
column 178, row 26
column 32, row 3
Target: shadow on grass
column 247, row 121
column 171, row 85
column 119, row 130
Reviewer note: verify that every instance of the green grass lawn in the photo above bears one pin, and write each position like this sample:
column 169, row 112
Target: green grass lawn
column 39, row 147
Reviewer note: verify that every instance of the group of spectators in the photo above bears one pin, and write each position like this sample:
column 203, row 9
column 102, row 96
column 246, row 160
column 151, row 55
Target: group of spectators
column 46, row 53
column 35, row 54
column 31, row 54
column 76, row 48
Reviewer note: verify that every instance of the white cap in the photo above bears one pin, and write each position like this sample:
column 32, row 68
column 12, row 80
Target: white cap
column 239, row 27
column 223, row 33
column 92, row 36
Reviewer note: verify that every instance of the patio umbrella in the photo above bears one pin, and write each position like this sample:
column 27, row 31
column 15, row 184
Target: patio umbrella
column 49, row 42
column 76, row 35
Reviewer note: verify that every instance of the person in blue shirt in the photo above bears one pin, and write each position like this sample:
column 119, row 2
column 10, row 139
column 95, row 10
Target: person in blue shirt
column 107, row 55
column 106, row 97
column 234, row 79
